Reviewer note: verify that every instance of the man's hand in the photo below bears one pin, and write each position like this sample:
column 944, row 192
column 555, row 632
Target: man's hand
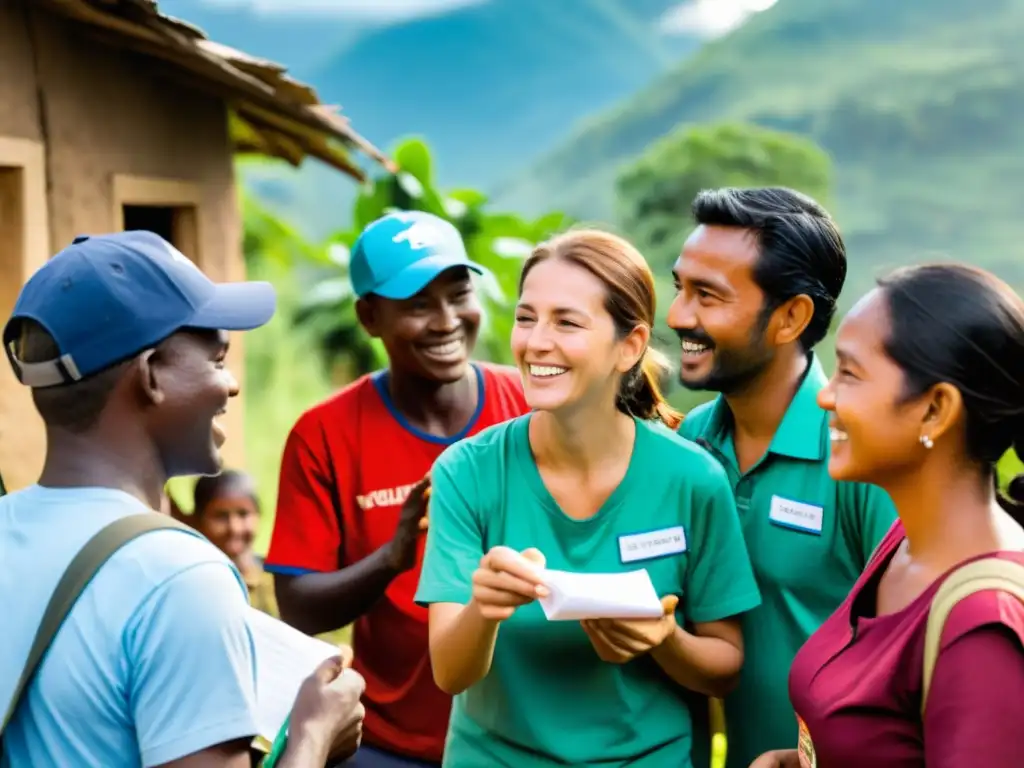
column 402, row 549
column 620, row 640
column 327, row 710
column 425, row 520
column 346, row 654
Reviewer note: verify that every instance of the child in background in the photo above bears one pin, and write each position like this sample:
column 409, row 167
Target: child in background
column 227, row 513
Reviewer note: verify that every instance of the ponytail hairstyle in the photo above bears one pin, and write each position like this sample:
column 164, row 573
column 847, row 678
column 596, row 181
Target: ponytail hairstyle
column 962, row 325
column 630, row 300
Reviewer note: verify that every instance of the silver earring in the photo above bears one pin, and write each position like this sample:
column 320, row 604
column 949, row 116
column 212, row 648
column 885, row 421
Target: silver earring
column 927, row 442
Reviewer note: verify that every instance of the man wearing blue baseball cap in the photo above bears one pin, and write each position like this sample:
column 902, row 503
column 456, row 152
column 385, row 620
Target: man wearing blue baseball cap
column 346, row 545
column 122, row 340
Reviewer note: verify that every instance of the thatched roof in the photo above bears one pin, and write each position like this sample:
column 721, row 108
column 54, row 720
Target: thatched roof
column 271, row 114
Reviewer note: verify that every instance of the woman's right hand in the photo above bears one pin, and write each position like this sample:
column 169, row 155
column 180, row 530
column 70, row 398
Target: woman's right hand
column 778, row 758
column 505, row 580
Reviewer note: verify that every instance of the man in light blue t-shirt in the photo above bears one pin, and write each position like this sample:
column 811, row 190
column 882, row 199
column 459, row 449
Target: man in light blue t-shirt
column 122, row 340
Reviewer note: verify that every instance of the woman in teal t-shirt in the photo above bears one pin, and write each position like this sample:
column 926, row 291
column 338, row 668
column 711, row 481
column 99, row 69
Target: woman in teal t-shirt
column 588, row 482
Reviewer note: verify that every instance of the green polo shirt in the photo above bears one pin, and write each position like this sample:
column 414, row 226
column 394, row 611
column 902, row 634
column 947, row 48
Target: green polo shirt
column 809, row 537
column 548, row 700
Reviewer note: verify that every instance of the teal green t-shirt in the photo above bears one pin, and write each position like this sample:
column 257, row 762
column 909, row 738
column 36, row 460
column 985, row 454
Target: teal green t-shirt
column 809, row 538
column 548, row 699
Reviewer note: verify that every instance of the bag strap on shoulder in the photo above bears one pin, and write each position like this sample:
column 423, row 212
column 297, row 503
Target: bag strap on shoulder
column 76, row 578
column 979, row 576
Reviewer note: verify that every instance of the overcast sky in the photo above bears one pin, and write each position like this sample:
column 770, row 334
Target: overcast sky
column 711, row 18
column 371, row 10
column 708, row 18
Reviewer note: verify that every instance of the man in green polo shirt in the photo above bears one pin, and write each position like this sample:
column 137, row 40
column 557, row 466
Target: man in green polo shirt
column 757, row 284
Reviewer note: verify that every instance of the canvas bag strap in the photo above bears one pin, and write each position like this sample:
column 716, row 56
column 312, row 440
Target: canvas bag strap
column 73, row 582
column 988, row 573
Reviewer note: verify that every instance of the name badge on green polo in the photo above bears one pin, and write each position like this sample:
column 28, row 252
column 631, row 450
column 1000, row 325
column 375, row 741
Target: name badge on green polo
column 798, row 515
column 649, row 545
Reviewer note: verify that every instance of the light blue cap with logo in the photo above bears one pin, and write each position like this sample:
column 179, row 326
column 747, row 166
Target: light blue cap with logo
column 399, row 254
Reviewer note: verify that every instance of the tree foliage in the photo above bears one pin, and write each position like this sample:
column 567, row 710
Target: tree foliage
column 497, row 241
column 654, row 193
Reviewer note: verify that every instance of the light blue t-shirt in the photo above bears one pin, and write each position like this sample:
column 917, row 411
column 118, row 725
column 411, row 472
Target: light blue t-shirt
column 155, row 661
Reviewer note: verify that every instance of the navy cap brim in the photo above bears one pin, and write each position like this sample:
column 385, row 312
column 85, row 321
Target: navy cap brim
column 237, row 307
column 418, row 276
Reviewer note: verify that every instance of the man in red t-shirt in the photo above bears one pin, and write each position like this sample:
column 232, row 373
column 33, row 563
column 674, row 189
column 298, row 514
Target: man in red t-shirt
column 347, row 543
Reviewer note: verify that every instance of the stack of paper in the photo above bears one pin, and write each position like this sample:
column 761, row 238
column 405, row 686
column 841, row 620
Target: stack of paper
column 576, row 596
column 285, row 657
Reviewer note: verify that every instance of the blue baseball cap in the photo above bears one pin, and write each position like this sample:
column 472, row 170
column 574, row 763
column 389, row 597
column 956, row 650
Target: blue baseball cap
column 400, row 253
column 106, row 298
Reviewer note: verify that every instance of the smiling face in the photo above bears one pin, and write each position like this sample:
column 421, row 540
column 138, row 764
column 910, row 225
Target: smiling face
column 230, row 520
column 875, row 430
column 189, row 386
column 432, row 334
column 565, row 342
column 718, row 311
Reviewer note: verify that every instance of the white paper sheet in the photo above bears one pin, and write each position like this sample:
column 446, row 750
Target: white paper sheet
column 285, row 657
column 576, row 596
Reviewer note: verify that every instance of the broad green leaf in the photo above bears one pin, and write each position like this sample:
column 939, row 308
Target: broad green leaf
column 412, row 186
column 328, row 292
column 371, row 203
column 505, row 225
column 472, row 198
column 550, row 224
column 345, row 237
column 455, row 209
column 512, row 247
column 339, row 254
column 490, row 287
column 413, row 156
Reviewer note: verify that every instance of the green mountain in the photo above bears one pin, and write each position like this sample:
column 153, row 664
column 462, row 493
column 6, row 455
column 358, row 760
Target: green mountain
column 494, row 83
column 490, row 86
column 919, row 102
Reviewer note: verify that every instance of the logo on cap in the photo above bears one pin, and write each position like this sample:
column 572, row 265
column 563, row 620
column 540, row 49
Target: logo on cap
column 422, row 233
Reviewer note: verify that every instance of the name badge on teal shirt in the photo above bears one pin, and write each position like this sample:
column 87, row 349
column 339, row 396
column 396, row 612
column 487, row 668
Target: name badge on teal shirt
column 649, row 545
column 798, row 515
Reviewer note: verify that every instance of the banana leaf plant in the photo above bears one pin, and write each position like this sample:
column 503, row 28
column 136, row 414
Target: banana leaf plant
column 497, row 241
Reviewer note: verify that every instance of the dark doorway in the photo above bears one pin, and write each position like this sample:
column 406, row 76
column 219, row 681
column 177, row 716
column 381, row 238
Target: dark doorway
column 174, row 223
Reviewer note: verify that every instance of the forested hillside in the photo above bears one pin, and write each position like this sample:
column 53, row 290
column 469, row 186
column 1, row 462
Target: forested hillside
column 919, row 103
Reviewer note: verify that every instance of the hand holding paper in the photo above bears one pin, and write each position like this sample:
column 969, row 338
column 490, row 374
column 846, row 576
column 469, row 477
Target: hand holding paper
column 576, row 596
column 328, row 703
column 285, row 658
column 620, row 640
column 305, row 688
column 507, row 579
column 620, row 612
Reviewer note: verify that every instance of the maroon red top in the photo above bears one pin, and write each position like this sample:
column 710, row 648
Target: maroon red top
column 856, row 683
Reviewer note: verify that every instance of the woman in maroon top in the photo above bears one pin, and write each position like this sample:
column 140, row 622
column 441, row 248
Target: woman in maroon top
column 928, row 394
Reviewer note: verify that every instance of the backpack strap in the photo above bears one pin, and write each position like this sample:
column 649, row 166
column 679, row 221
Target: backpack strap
column 76, row 578
column 979, row 576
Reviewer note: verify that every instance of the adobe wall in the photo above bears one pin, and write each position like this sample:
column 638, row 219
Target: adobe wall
column 96, row 112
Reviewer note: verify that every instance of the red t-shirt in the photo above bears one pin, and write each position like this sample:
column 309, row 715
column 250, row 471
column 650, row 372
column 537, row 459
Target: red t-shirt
column 348, row 465
column 856, row 683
